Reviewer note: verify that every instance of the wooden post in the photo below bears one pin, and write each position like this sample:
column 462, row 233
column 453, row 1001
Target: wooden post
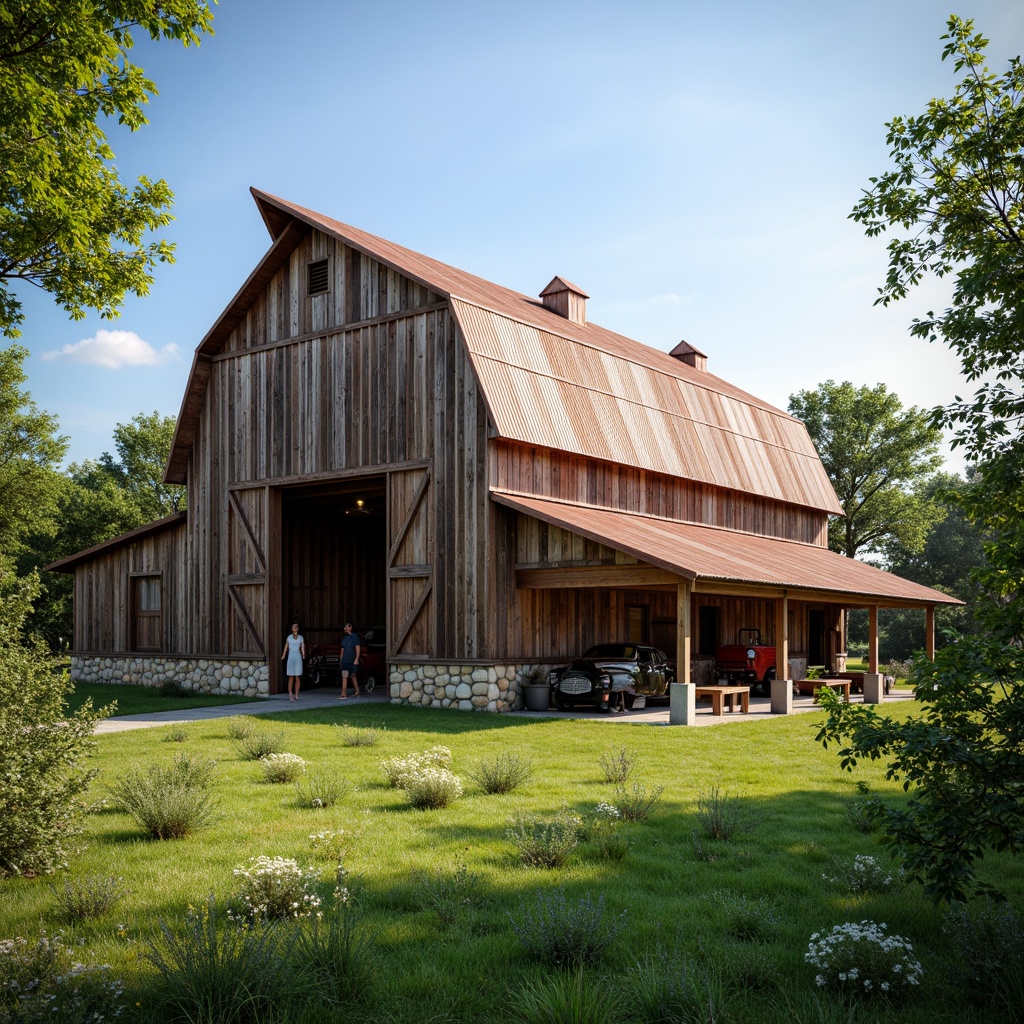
column 274, row 625
column 782, row 636
column 929, row 632
column 683, row 642
column 873, row 638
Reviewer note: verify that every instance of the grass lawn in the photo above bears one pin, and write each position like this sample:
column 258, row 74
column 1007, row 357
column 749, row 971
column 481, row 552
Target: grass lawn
column 137, row 700
column 738, row 913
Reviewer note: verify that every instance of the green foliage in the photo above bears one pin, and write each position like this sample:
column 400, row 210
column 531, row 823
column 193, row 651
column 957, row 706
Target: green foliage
column 81, row 899
column 30, row 450
column 213, row 972
column 544, row 842
column 505, row 773
column 617, row 765
column 636, row 803
column 961, row 761
column 358, row 737
column 241, row 726
column 983, row 943
column 724, row 815
column 449, row 893
column 42, row 748
column 280, row 768
column 45, row 981
column 333, row 948
column 566, row 933
column 321, row 789
column 169, row 801
column 67, row 222
column 567, row 998
column 257, row 744
column 874, row 451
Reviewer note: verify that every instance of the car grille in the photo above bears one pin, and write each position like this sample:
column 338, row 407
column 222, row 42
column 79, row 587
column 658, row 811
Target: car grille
column 575, row 684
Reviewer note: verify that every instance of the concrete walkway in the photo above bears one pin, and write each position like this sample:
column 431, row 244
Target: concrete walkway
column 327, row 697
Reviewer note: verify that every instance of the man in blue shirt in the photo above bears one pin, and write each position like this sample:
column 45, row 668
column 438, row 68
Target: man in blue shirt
column 351, row 649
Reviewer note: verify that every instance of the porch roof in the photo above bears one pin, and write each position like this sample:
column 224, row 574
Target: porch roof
column 705, row 553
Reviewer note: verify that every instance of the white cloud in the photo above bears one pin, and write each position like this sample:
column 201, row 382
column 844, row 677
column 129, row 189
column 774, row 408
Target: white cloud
column 114, row 349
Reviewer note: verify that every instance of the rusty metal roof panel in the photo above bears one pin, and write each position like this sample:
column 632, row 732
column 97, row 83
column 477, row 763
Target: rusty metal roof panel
column 703, row 552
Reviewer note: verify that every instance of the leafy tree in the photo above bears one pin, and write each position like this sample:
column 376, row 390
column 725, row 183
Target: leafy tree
column 67, row 222
column 30, row 450
column 42, row 748
column 873, row 451
column 956, row 196
column 143, row 447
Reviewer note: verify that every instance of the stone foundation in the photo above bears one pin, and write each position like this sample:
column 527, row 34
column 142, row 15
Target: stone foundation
column 462, row 687
column 237, row 677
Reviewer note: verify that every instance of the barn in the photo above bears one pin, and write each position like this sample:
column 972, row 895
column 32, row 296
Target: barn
column 488, row 480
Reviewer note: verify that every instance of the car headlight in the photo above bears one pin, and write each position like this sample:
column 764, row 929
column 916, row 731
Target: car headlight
column 751, row 653
column 606, row 680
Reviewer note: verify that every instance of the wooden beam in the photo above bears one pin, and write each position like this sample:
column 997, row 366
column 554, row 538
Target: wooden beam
column 782, row 636
column 873, row 638
column 410, row 514
column 565, row 577
column 929, row 632
column 684, row 643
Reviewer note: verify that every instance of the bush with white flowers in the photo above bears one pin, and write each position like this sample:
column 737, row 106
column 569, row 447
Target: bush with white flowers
column 282, row 767
column 862, row 959
column 864, row 875
column 274, row 888
column 431, row 787
column 398, row 770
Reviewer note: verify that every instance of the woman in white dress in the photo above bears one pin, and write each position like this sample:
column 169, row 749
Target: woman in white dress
column 295, row 652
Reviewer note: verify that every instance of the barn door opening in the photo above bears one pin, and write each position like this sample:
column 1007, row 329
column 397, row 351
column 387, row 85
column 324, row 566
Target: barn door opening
column 334, row 548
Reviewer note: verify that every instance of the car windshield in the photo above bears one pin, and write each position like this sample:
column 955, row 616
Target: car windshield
column 625, row 651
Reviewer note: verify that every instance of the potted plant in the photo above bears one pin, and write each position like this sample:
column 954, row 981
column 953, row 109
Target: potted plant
column 537, row 691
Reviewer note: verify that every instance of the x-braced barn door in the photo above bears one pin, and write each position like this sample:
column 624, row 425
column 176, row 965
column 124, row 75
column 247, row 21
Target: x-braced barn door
column 410, row 563
column 246, row 581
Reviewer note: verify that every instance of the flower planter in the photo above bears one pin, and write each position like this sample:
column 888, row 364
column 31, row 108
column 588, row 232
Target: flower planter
column 537, row 696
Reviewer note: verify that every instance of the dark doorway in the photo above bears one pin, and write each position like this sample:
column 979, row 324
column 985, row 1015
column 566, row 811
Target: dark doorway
column 815, row 637
column 334, row 559
column 709, row 618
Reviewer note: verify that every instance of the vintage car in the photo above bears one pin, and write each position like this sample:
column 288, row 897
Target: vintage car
column 749, row 661
column 323, row 663
column 612, row 677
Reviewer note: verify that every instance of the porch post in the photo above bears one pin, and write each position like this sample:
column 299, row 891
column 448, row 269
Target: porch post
column 782, row 685
column 682, row 709
column 929, row 632
column 874, row 690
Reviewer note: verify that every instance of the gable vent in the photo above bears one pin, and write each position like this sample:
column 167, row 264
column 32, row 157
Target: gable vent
column 318, row 278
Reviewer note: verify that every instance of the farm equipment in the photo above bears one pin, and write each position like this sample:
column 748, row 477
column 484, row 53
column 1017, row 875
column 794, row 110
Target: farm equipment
column 748, row 661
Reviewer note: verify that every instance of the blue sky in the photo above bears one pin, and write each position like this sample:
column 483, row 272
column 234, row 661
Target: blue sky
column 691, row 165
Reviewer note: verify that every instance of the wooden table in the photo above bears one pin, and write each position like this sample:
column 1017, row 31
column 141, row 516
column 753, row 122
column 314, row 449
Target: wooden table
column 812, row 686
column 719, row 694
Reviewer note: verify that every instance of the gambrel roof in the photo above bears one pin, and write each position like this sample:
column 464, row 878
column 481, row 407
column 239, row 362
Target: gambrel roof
column 554, row 383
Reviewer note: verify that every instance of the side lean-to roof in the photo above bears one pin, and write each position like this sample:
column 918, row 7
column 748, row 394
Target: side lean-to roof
column 554, row 383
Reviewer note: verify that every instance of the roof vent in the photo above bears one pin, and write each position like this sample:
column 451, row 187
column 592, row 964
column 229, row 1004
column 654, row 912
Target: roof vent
column 565, row 299
column 686, row 353
column 318, row 279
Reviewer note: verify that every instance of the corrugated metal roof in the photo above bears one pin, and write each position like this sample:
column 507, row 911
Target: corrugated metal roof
column 554, row 383
column 703, row 552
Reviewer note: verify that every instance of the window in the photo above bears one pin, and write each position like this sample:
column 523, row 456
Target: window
column 636, row 624
column 318, row 277
column 147, row 623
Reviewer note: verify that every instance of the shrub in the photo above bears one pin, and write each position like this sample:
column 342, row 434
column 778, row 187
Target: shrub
column 356, row 737
column 334, row 844
column 259, row 743
column 861, row 815
column 397, row 770
column 449, row 893
column 618, row 765
column 241, row 726
column 566, row 999
column 213, row 972
column 671, row 988
column 278, row 768
column 636, row 804
column 169, row 801
column 723, row 816
column 333, row 949
column 502, row 775
column 80, row 899
column 173, row 688
column 42, row 748
column 273, row 888
column 43, row 981
column 321, row 789
column 983, row 944
column 566, row 933
column 750, row 918
column 177, row 734
column 545, row 842
column 432, row 788
column 600, row 827
column 862, row 960
column 864, row 875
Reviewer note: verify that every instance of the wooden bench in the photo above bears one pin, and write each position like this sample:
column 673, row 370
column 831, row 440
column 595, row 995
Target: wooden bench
column 812, row 686
column 719, row 694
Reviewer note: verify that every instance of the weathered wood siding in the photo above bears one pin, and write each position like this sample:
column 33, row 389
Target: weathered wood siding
column 542, row 473
column 103, row 593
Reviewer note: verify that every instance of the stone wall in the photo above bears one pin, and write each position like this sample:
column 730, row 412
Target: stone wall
column 463, row 687
column 237, row 677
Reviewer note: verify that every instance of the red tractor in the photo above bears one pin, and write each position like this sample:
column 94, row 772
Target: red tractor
column 747, row 661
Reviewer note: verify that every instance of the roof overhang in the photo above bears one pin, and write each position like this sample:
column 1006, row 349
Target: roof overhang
column 157, row 526
column 716, row 560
